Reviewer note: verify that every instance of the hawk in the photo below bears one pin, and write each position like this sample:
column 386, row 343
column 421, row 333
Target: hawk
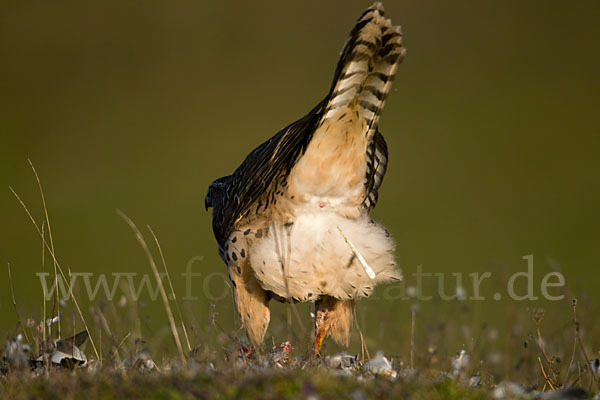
column 292, row 221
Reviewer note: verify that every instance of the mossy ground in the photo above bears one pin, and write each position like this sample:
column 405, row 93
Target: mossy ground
column 268, row 384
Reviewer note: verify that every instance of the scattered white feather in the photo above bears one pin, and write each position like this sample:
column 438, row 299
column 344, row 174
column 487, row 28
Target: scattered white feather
column 361, row 259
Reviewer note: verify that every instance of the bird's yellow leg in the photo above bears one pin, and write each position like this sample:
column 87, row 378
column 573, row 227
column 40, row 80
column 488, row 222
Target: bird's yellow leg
column 322, row 323
column 332, row 317
column 320, row 334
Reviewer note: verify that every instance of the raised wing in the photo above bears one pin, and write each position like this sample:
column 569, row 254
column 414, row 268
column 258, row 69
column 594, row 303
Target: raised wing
column 261, row 173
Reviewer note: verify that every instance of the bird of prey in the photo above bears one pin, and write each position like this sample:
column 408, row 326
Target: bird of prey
column 292, row 221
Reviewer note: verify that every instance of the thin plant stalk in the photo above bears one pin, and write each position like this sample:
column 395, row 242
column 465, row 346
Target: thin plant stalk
column 59, row 270
column 363, row 345
column 43, row 291
column 161, row 287
column 116, row 350
column 574, row 304
column 12, row 294
column 56, row 294
column 412, row 339
column 162, row 257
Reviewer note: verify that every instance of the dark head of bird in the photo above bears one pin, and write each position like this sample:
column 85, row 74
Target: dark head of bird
column 215, row 191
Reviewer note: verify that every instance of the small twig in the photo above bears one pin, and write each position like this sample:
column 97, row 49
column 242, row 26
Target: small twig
column 543, row 351
column 578, row 375
column 213, row 321
column 574, row 304
column 540, row 343
column 548, row 381
column 217, row 326
column 594, row 377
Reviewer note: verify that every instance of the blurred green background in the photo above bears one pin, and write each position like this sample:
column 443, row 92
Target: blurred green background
column 492, row 127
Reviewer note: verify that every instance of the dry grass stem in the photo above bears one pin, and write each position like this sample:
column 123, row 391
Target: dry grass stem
column 548, row 381
column 116, row 350
column 59, row 270
column 162, row 257
column 363, row 345
column 412, row 339
column 12, row 295
column 161, row 287
column 43, row 232
column 56, row 294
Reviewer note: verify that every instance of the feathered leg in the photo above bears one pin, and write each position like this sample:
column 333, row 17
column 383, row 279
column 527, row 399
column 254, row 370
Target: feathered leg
column 332, row 317
column 251, row 301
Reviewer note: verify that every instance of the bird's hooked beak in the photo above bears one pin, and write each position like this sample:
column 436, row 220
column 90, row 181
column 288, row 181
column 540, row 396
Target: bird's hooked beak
column 207, row 203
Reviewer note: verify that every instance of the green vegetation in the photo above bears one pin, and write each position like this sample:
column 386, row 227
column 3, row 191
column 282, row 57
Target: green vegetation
column 270, row 384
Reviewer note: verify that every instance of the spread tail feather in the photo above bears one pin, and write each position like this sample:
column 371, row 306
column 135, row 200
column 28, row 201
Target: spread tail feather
column 367, row 65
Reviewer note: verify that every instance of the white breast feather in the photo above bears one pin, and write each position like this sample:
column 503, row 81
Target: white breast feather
column 317, row 260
